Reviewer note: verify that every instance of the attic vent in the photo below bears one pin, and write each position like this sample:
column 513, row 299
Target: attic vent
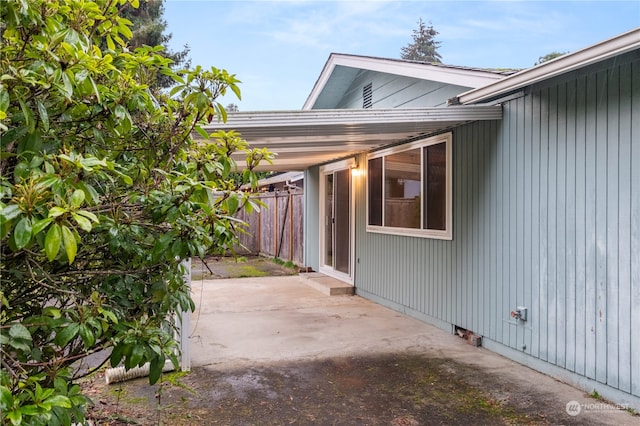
column 367, row 96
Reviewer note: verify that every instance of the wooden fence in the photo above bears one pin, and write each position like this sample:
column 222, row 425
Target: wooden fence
column 277, row 229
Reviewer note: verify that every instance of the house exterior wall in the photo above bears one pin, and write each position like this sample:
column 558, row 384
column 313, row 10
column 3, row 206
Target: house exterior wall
column 547, row 216
column 393, row 91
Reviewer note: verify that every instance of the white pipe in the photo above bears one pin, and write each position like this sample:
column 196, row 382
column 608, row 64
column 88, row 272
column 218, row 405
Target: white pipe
column 120, row 374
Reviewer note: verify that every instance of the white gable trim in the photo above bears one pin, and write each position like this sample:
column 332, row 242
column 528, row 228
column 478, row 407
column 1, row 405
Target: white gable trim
column 443, row 74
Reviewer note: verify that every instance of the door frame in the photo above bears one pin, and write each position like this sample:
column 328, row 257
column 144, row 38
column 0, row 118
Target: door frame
column 347, row 164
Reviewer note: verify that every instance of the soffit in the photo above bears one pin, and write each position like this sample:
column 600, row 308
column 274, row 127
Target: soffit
column 302, row 139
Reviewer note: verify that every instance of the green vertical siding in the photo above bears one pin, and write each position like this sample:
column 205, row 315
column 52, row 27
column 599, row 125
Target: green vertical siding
column 546, row 215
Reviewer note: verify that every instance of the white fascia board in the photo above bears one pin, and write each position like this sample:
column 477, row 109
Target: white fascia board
column 442, row 74
column 618, row 45
column 282, row 119
column 327, row 70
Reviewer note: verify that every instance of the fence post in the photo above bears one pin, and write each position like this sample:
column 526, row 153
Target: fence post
column 290, row 226
column 275, row 224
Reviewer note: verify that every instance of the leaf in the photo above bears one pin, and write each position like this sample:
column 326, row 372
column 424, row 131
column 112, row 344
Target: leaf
column 222, row 112
column 6, row 398
column 20, row 336
column 19, row 331
column 15, row 416
column 44, row 116
column 202, row 132
column 57, row 211
column 40, row 225
column 52, row 242
column 155, row 369
column 68, row 87
column 87, row 336
column 69, row 243
column 236, row 90
column 4, row 99
column 52, row 311
column 58, row 401
column 136, row 355
column 83, row 222
column 120, row 112
column 232, row 204
column 64, row 336
column 30, row 410
column 22, row 233
column 77, row 198
column 116, row 354
column 95, row 90
column 89, row 215
column 11, row 212
column 47, row 182
column 28, row 115
column 90, row 192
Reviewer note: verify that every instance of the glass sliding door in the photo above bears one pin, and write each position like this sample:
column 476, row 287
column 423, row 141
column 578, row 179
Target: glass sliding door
column 337, row 227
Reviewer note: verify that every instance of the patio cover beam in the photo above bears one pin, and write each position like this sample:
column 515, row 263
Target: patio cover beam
column 310, row 137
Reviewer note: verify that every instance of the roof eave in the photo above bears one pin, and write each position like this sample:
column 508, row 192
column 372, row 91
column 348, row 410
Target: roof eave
column 617, row 45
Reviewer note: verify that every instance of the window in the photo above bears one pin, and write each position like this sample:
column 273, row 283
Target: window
column 409, row 189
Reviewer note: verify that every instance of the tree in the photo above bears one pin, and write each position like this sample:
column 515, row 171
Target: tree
column 148, row 28
column 103, row 193
column 232, row 107
column 424, row 47
column 549, row 56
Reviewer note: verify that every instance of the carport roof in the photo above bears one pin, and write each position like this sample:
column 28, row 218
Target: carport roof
column 309, row 137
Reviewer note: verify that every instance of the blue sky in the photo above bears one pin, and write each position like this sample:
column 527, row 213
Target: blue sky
column 278, row 48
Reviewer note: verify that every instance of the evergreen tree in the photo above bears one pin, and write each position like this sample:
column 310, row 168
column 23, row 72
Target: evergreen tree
column 549, row 56
column 148, row 27
column 424, row 47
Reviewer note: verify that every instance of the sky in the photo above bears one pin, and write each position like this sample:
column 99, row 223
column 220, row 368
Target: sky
column 278, row 48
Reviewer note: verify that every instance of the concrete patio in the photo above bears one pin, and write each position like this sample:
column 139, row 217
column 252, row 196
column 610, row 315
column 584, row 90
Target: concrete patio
column 258, row 321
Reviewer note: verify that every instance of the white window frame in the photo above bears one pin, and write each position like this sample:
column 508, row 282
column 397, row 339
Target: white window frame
column 447, row 233
column 349, row 163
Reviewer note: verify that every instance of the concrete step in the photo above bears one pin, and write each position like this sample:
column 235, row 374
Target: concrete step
column 326, row 284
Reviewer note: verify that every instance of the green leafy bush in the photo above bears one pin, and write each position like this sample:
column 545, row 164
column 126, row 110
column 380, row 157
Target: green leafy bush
column 103, row 193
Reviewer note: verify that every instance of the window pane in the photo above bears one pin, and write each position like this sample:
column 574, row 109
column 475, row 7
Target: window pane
column 342, row 220
column 328, row 220
column 435, row 172
column 375, row 191
column 402, row 189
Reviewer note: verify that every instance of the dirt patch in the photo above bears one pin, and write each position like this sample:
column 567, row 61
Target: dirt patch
column 242, row 267
column 406, row 389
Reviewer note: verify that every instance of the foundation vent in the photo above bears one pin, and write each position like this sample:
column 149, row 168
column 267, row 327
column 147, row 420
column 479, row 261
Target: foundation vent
column 471, row 338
